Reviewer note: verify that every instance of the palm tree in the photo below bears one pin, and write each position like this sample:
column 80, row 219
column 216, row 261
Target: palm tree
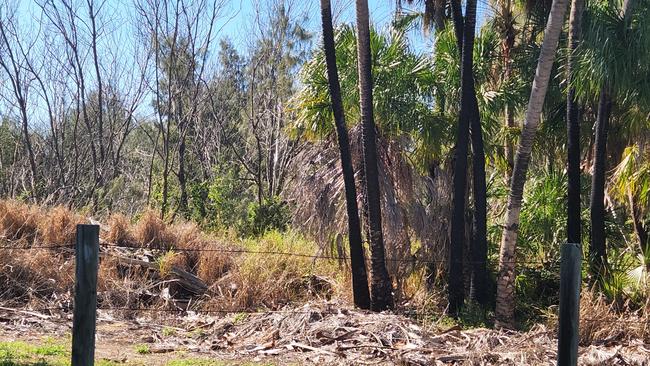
column 506, row 26
column 381, row 287
column 506, row 278
column 611, row 85
column 631, row 181
column 479, row 284
column 573, row 130
column 597, row 249
column 359, row 276
column 464, row 30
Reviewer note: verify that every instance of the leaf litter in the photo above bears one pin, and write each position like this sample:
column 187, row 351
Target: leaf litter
column 327, row 333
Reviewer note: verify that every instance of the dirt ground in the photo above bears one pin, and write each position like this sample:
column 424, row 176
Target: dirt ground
column 323, row 334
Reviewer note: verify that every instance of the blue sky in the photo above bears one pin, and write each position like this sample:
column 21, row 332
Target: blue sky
column 242, row 12
column 237, row 22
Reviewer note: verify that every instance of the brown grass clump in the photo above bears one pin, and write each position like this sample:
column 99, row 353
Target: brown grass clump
column 41, row 275
column 189, row 240
column 59, row 226
column 19, row 220
column 213, row 264
column 151, row 232
column 601, row 323
column 119, row 230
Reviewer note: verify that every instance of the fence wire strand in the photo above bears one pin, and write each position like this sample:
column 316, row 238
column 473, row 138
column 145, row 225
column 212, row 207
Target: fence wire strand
column 279, row 253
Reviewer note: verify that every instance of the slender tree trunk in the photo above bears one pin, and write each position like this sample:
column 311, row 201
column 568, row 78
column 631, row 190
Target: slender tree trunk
column 597, row 248
column 381, row 287
column 98, row 75
column 30, row 149
column 509, row 117
column 182, row 124
column 573, row 130
column 358, row 264
column 182, row 178
column 597, row 244
column 508, row 44
column 479, row 285
column 456, row 286
column 505, row 309
column 639, row 229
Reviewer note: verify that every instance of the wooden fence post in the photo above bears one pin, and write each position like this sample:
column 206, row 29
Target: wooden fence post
column 570, row 281
column 85, row 300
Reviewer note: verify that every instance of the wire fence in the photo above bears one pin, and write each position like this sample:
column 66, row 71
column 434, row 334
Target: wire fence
column 411, row 259
column 407, row 313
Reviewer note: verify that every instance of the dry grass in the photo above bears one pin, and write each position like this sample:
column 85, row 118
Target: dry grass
column 60, row 226
column 151, row 232
column 19, row 220
column 235, row 280
column 119, row 231
column 272, row 281
column 41, row 276
column 600, row 322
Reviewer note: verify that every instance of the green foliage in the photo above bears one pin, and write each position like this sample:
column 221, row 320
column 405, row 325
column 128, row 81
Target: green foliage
column 271, row 214
column 402, row 90
column 168, row 332
column 625, row 279
column 143, row 349
column 49, row 353
column 542, row 227
column 613, row 52
column 219, row 203
column 538, row 288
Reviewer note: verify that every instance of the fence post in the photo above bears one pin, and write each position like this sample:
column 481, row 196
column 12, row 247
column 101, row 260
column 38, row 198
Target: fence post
column 85, row 300
column 570, row 281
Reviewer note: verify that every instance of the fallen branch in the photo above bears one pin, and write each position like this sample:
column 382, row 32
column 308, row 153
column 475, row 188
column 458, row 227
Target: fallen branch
column 189, row 281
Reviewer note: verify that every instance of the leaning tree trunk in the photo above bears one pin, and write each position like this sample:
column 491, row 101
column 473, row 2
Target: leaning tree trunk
column 597, row 249
column 505, row 308
column 359, row 277
column 381, row 287
column 573, row 130
column 465, row 31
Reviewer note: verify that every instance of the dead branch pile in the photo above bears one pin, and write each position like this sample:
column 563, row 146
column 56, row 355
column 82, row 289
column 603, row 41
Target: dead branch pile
column 329, row 333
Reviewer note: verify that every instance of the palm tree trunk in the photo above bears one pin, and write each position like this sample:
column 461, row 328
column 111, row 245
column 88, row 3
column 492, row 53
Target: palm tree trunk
column 380, row 287
column 507, row 45
column 479, row 285
column 573, row 130
column 455, row 280
column 359, row 277
column 597, row 249
column 505, row 309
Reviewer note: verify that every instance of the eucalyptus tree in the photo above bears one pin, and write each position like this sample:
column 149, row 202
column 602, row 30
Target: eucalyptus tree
column 13, row 62
column 505, row 304
column 359, row 276
column 179, row 34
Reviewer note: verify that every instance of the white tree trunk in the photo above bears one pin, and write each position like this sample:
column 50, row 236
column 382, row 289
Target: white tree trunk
column 506, row 277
